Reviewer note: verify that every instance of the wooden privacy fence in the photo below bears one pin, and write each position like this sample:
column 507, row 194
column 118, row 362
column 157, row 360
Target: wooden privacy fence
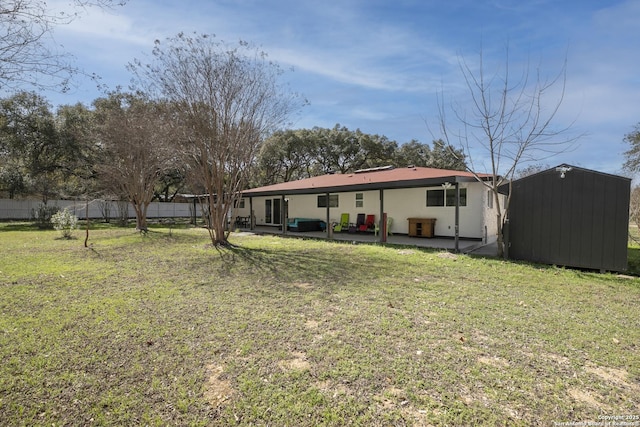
column 11, row 209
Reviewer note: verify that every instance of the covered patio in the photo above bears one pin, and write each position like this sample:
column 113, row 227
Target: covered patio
column 422, row 207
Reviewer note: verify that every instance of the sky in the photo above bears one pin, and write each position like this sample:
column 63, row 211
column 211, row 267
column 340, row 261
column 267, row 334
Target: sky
column 386, row 66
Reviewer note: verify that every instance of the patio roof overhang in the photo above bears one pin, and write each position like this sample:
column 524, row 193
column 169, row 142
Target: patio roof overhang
column 368, row 186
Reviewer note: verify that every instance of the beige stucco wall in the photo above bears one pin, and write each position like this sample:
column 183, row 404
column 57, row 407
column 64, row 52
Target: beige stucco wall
column 477, row 220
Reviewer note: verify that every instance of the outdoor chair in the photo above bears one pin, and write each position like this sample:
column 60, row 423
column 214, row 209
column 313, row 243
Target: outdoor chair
column 359, row 222
column 377, row 227
column 369, row 223
column 343, row 225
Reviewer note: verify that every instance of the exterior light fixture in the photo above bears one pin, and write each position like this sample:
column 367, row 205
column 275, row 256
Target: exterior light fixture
column 563, row 170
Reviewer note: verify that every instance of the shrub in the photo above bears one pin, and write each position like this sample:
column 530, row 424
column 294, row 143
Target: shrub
column 64, row 221
column 43, row 214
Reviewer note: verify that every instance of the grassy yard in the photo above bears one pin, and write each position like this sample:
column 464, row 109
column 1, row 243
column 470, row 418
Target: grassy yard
column 165, row 330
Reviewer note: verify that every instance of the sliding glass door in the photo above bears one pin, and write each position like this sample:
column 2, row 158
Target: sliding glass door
column 272, row 211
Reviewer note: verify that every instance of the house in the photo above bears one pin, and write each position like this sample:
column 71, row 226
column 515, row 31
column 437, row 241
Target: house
column 395, row 193
column 570, row 216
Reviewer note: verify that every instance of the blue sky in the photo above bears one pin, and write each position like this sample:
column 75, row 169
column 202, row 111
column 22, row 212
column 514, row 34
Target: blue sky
column 380, row 65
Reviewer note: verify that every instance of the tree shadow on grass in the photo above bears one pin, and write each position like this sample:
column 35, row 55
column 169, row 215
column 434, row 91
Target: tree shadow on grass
column 317, row 267
column 18, row 226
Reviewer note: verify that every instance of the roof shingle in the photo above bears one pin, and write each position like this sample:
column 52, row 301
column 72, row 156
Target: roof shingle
column 367, row 180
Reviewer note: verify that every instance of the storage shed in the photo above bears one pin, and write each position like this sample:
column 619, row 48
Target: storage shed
column 570, row 216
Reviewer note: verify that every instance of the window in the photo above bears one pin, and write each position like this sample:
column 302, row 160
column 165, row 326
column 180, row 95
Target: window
column 489, row 199
column 437, row 197
column 333, row 201
column 359, row 200
column 240, row 204
column 451, row 197
column 267, row 211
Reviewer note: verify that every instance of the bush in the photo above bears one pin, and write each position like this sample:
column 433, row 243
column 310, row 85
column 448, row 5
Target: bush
column 42, row 216
column 64, row 221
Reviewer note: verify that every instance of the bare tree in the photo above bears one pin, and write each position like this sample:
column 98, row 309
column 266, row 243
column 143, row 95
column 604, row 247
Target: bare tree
column 227, row 101
column 134, row 135
column 508, row 122
column 27, row 49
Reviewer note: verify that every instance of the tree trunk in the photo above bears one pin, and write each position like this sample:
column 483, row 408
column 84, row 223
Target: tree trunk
column 141, row 216
column 217, row 233
column 500, row 236
column 86, row 219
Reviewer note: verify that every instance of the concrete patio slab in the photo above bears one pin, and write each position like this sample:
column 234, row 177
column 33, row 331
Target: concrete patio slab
column 466, row 246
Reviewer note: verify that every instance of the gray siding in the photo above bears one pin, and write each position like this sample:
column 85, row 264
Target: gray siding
column 580, row 220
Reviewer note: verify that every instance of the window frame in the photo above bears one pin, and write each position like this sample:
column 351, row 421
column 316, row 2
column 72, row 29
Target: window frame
column 334, row 201
column 440, row 198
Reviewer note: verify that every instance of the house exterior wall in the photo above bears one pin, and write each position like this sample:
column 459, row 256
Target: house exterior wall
column 489, row 214
column 476, row 219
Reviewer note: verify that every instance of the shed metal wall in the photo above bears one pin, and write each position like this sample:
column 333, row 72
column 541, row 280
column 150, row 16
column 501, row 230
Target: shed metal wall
column 581, row 220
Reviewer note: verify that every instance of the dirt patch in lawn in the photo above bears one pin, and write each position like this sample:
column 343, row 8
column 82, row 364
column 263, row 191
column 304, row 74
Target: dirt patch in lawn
column 447, row 255
column 588, row 398
column 406, row 252
column 298, row 362
column 496, row 362
column 217, row 390
column 611, row 375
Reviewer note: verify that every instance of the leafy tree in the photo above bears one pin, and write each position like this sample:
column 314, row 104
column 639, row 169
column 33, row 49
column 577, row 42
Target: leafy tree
column 634, row 208
column 377, row 150
column 228, row 100
column 75, row 124
column 444, row 157
column 28, row 53
column 286, row 156
column 296, row 154
column 413, row 153
column 507, row 123
column 632, row 162
column 422, row 155
column 135, row 139
column 170, row 183
column 30, row 149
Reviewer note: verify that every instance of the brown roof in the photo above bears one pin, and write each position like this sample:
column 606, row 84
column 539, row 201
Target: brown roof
column 367, row 180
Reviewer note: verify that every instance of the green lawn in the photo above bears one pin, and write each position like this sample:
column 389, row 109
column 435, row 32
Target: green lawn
column 162, row 329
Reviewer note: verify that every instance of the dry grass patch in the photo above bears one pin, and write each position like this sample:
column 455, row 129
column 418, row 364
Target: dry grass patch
column 496, row 362
column 589, row 399
column 612, row 375
column 218, row 389
column 297, row 362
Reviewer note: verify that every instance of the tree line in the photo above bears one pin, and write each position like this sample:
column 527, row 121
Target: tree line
column 129, row 146
column 78, row 151
column 296, row 154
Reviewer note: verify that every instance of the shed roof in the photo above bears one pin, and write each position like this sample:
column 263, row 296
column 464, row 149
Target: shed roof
column 371, row 179
column 561, row 169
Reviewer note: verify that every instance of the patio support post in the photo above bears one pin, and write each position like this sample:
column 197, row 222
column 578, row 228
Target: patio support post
column 195, row 207
column 283, row 215
column 329, row 225
column 251, row 222
column 457, row 226
column 382, row 221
